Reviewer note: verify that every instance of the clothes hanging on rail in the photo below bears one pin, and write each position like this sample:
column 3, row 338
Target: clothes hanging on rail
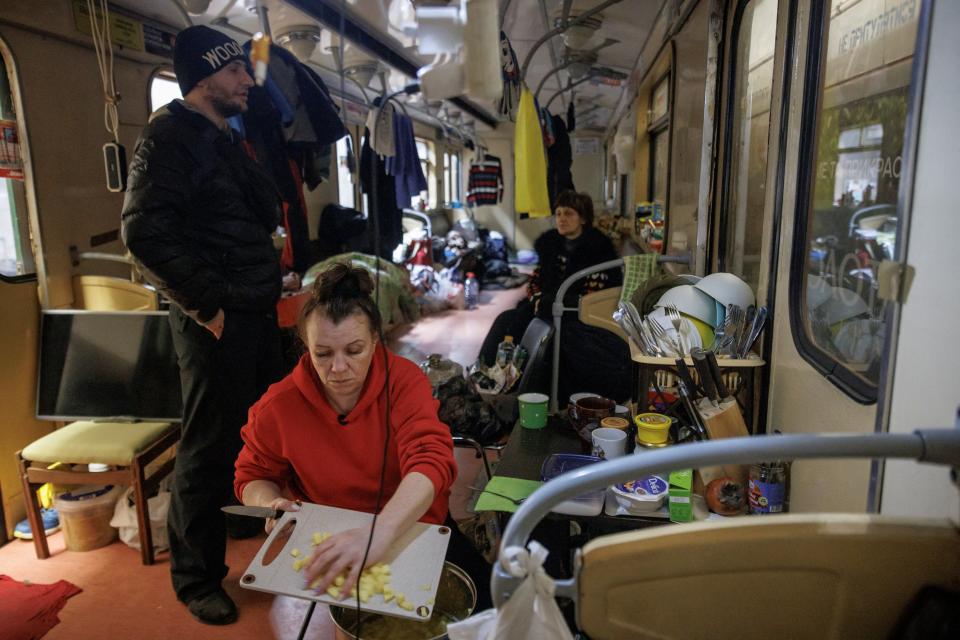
column 511, row 78
column 289, row 128
column 531, row 164
column 404, row 166
column 571, row 116
column 559, row 161
column 382, row 199
column 485, row 182
column 383, row 138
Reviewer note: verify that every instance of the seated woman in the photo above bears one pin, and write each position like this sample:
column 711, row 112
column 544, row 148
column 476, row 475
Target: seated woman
column 574, row 245
column 317, row 435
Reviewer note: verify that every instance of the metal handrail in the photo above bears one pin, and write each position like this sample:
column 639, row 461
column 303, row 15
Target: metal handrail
column 938, row 446
column 558, row 310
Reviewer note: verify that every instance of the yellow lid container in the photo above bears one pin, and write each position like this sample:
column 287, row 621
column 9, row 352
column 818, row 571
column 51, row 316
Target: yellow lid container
column 652, row 428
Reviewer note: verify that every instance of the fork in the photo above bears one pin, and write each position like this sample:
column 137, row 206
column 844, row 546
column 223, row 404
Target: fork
column 660, row 334
column 516, row 501
column 677, row 321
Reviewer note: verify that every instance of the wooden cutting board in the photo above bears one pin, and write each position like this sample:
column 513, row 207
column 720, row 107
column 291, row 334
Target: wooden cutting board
column 415, row 559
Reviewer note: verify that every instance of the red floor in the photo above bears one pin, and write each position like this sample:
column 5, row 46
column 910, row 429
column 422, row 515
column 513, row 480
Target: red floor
column 123, row 599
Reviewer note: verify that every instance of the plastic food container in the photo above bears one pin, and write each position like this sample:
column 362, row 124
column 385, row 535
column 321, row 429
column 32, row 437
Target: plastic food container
column 652, row 428
column 641, row 496
column 588, row 504
column 85, row 514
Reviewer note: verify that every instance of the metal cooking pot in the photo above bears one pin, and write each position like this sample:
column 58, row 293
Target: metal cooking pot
column 456, row 598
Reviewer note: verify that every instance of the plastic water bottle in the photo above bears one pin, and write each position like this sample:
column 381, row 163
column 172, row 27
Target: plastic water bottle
column 505, row 351
column 471, row 290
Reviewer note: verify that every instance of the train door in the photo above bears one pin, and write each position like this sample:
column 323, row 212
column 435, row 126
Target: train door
column 850, row 86
column 925, row 391
column 19, row 303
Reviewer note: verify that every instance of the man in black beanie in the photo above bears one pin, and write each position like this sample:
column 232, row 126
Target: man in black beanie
column 198, row 217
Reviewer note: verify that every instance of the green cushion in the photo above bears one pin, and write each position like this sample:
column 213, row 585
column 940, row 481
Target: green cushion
column 106, row 442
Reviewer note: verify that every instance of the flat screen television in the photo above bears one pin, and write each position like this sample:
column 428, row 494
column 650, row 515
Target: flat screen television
column 107, row 365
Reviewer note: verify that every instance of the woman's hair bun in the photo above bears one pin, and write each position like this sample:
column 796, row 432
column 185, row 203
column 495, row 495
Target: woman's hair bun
column 342, row 281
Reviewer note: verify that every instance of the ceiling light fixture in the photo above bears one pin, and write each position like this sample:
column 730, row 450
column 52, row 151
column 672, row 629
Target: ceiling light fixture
column 300, row 40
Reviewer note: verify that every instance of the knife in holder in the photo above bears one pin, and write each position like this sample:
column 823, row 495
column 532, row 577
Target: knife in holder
column 720, row 419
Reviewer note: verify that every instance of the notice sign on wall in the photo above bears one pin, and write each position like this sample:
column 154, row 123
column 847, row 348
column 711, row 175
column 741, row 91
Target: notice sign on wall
column 586, row 146
column 124, row 31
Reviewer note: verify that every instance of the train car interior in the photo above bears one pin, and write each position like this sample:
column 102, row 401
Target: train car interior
column 691, row 255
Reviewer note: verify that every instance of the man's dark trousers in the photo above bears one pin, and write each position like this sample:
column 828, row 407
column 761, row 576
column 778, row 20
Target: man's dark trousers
column 220, row 380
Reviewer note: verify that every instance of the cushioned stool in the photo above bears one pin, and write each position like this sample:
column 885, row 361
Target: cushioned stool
column 127, row 446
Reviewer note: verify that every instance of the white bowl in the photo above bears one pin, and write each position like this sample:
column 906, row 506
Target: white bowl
column 641, row 496
column 727, row 289
column 691, row 301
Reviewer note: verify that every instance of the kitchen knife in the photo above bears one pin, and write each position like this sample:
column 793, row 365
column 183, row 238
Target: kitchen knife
column 717, row 375
column 688, row 391
column 706, row 375
column 253, row 512
column 683, row 371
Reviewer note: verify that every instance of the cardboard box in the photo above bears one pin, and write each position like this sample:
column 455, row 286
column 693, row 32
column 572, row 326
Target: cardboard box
column 679, row 496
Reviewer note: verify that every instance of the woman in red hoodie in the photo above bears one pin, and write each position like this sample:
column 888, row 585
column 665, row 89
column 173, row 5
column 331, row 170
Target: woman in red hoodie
column 318, row 434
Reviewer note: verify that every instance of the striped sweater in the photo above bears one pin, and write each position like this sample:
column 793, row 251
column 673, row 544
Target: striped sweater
column 485, row 185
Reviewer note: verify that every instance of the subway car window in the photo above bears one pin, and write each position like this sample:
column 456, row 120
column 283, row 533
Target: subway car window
column 16, row 256
column 163, row 89
column 428, row 162
column 660, row 140
column 345, row 187
column 851, row 217
column 755, row 38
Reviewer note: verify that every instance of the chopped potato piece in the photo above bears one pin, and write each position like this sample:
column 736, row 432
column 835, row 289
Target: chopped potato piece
column 295, row 552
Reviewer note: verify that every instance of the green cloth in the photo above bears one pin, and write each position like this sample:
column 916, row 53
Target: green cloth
column 637, row 270
column 397, row 302
column 512, row 487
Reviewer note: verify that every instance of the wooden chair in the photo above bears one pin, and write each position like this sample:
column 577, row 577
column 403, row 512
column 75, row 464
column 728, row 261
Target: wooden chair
column 129, row 447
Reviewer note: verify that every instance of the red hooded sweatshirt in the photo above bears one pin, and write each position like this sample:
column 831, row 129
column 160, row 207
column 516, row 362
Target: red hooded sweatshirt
column 294, row 438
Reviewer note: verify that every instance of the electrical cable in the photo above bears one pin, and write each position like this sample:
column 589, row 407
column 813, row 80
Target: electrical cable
column 375, row 215
column 103, row 48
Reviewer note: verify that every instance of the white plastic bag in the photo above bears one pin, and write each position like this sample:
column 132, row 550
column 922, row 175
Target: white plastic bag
column 514, row 621
column 125, row 519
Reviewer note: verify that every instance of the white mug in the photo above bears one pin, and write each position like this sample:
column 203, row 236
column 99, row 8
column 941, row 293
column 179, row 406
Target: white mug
column 609, row 443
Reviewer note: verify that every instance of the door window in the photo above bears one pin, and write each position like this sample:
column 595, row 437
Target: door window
column 849, row 214
column 741, row 233
column 16, row 255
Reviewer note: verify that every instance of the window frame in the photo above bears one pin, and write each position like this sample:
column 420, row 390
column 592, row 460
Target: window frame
column 724, row 217
column 24, row 220
column 655, row 129
column 831, row 368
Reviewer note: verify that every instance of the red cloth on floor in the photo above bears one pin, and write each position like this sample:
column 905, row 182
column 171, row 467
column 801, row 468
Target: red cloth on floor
column 28, row 611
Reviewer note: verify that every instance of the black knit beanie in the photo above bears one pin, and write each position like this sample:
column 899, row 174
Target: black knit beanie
column 199, row 52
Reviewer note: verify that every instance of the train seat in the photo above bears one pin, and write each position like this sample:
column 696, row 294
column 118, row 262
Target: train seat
column 788, row 576
column 128, row 447
column 106, row 293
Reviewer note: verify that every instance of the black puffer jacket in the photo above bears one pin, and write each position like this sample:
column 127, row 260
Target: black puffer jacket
column 198, row 216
